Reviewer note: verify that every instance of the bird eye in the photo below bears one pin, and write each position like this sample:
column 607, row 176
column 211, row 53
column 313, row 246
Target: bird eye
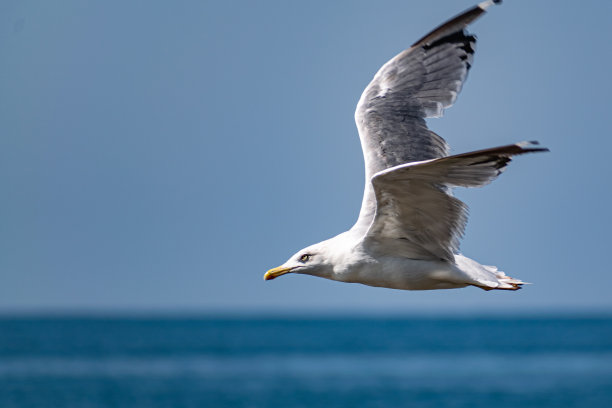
column 304, row 258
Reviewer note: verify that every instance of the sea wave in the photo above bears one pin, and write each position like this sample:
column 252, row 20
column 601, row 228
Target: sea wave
column 349, row 365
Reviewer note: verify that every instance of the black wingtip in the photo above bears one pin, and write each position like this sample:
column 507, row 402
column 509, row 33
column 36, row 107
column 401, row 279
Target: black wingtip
column 525, row 146
column 537, row 149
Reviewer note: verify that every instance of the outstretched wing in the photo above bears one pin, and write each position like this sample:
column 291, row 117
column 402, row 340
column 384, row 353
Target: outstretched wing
column 416, row 217
column 418, row 83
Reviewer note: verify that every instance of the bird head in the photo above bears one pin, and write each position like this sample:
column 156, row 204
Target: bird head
column 312, row 260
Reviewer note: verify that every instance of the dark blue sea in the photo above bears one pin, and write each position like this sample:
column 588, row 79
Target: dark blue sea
column 305, row 362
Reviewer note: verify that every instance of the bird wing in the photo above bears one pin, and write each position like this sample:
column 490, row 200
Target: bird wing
column 416, row 216
column 418, row 83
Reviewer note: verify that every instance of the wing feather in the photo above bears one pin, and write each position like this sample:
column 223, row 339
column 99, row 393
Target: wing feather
column 415, row 205
column 418, row 83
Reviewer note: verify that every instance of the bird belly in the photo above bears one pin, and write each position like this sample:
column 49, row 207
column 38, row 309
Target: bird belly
column 408, row 274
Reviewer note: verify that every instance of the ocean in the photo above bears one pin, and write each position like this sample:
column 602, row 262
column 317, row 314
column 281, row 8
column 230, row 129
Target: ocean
column 305, row 362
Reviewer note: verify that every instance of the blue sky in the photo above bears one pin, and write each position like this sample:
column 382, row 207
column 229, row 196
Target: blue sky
column 164, row 155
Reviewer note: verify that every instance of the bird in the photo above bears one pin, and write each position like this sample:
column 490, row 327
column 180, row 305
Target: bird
column 410, row 224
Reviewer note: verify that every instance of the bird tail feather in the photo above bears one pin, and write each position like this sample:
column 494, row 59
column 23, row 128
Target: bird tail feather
column 486, row 277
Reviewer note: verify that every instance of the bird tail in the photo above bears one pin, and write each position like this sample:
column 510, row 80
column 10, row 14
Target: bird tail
column 486, row 277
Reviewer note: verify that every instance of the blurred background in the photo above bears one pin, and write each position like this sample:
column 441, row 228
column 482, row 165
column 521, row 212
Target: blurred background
column 157, row 158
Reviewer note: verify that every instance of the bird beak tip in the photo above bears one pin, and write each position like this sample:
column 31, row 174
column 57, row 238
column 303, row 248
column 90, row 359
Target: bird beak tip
column 276, row 272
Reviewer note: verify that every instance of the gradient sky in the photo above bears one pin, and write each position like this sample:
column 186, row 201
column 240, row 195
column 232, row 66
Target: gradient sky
column 164, row 155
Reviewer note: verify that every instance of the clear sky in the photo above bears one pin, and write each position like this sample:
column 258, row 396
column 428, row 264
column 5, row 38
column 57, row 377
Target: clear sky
column 164, row 155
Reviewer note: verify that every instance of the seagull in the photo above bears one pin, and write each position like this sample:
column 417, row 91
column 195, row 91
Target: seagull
column 409, row 226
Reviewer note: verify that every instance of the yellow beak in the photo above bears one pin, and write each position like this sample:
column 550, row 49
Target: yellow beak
column 276, row 272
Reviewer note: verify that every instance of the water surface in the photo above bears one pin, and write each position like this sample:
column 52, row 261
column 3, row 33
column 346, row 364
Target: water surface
column 305, row 362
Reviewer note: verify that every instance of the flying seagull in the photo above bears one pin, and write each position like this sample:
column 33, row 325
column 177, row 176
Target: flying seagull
column 408, row 230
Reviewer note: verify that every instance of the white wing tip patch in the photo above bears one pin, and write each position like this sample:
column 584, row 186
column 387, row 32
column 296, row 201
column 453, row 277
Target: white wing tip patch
column 486, row 4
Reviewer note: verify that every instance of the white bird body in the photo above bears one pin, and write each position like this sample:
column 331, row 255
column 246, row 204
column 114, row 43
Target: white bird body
column 408, row 230
column 349, row 258
column 404, row 273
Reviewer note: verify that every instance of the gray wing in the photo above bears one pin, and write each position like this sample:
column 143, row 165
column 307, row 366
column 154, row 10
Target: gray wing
column 416, row 84
column 416, row 217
